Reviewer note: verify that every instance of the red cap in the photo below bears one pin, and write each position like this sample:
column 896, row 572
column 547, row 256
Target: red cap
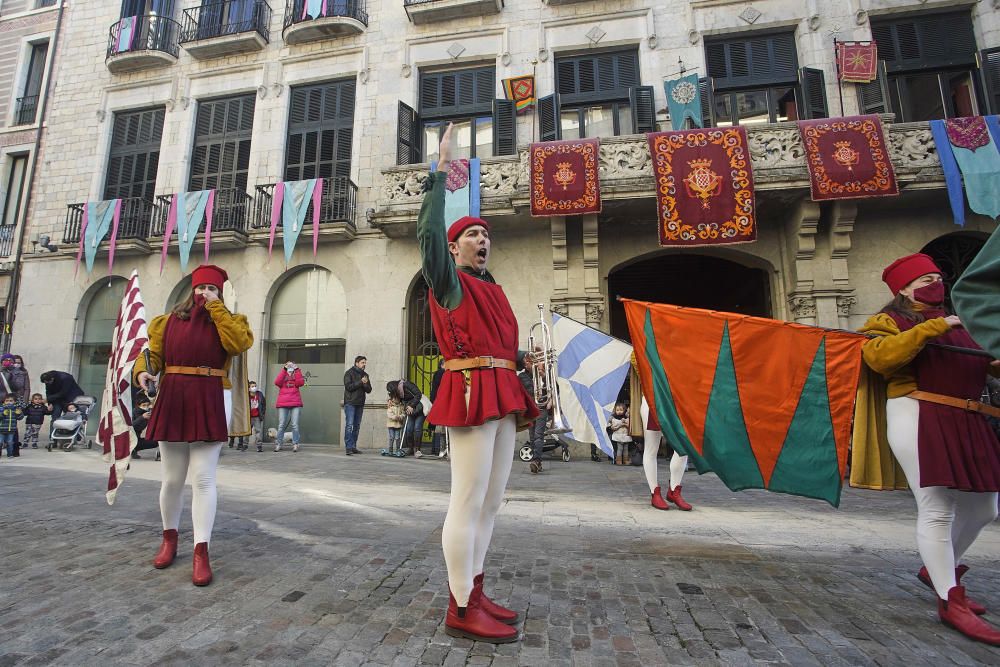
column 208, row 274
column 905, row 270
column 462, row 224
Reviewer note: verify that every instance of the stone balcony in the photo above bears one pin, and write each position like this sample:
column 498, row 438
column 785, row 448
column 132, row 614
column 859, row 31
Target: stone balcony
column 626, row 172
column 430, row 11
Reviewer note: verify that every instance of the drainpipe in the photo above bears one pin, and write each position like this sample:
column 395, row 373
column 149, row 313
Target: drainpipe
column 15, row 281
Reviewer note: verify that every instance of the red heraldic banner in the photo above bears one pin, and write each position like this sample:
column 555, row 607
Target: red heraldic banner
column 564, row 178
column 704, row 187
column 848, row 158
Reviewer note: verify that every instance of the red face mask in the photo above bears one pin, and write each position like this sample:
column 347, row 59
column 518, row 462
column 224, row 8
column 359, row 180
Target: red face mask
column 199, row 300
column 932, row 295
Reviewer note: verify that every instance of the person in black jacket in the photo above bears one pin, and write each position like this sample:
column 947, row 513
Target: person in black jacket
column 61, row 389
column 438, row 430
column 356, row 385
column 35, row 413
column 410, row 394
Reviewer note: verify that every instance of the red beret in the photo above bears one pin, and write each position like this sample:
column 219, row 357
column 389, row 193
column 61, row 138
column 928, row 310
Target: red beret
column 208, row 274
column 462, row 224
column 905, row 270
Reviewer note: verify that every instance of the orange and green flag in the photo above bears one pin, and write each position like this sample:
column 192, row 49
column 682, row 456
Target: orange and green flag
column 762, row 403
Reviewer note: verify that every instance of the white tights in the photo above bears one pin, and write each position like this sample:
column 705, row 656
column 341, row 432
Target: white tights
column 201, row 459
column 948, row 521
column 650, row 448
column 481, row 459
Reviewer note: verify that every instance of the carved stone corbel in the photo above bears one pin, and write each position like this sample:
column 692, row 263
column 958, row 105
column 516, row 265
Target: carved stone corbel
column 595, row 314
column 803, row 308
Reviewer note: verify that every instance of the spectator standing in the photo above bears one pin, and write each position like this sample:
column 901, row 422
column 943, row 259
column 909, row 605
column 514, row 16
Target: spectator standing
column 410, row 395
column 289, row 403
column 61, row 389
column 34, row 415
column 17, row 380
column 257, row 408
column 619, row 426
column 356, row 385
column 10, row 414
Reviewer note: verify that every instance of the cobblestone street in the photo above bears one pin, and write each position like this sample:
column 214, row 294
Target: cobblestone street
column 322, row 559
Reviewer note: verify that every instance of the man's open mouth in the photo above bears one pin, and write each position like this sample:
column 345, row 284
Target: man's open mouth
column 483, row 252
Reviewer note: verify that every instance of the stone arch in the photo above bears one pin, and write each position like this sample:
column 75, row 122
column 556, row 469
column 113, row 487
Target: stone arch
column 97, row 314
column 422, row 351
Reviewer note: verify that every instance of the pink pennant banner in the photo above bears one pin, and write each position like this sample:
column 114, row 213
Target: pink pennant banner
column 114, row 234
column 209, row 211
column 171, row 224
column 276, row 201
column 317, row 204
column 83, row 233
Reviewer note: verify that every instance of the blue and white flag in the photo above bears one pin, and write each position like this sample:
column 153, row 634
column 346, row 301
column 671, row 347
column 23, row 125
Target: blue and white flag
column 592, row 369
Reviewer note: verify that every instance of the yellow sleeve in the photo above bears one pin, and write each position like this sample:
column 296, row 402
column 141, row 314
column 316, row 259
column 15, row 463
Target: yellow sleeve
column 155, row 331
column 892, row 349
column 234, row 330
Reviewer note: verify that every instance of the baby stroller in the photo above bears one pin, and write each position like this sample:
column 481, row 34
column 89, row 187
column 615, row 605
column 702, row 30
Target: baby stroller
column 69, row 431
column 550, row 443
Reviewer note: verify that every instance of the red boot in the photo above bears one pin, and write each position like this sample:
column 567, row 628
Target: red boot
column 677, row 499
column 925, row 579
column 202, row 574
column 657, row 501
column 168, row 550
column 472, row 622
column 502, row 614
column 955, row 613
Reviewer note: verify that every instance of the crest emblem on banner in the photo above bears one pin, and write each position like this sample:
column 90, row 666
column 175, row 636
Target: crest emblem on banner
column 702, row 182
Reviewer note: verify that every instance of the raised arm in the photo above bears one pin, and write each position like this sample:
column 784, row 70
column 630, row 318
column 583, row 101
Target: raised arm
column 436, row 262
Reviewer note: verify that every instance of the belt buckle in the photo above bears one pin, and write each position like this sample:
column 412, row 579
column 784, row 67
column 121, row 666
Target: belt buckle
column 487, row 356
column 971, row 405
column 204, row 370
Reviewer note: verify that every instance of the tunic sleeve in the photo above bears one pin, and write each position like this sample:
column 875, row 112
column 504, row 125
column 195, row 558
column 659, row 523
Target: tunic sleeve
column 155, row 331
column 234, row 330
column 438, row 267
column 892, row 349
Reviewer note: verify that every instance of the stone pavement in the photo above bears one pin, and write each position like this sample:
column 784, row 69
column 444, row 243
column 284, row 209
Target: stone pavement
column 321, row 559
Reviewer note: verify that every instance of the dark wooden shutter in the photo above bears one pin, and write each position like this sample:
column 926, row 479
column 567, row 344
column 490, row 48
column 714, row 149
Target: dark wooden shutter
column 504, row 127
column 990, row 70
column 813, row 84
column 320, row 131
column 706, row 89
column 135, row 154
column 926, row 41
column 603, row 77
column 549, row 128
column 641, row 98
column 467, row 92
column 223, row 133
column 407, row 135
column 760, row 60
column 874, row 97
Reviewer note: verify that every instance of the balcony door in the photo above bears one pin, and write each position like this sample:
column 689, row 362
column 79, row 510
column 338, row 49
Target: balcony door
column 133, row 163
column 221, row 157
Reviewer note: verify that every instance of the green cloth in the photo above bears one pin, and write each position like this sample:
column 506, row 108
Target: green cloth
column 438, row 267
column 976, row 296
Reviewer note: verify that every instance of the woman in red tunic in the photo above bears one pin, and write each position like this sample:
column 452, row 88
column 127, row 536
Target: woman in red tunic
column 192, row 348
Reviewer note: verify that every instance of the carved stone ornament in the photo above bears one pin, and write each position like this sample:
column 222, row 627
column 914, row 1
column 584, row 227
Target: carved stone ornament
column 505, row 58
column 406, row 71
column 653, row 41
column 913, row 146
column 560, row 309
column 277, row 89
column 693, row 36
column 845, row 304
column 815, row 22
column 776, row 147
column 861, row 16
column 101, row 115
column 363, row 76
column 262, row 91
column 625, row 160
column 803, row 306
column 595, row 313
column 401, row 186
column 750, row 14
column 497, row 179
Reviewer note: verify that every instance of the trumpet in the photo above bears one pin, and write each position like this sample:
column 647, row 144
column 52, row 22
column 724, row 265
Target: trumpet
column 543, row 372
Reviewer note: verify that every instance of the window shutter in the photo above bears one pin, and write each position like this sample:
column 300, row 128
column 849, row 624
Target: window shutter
column 641, row 99
column 927, row 41
column 874, row 97
column 407, row 136
column 706, row 88
column 990, row 70
column 598, row 78
column 548, row 118
column 455, row 93
column 223, row 132
column 752, row 61
column 504, row 127
column 813, row 84
column 135, row 154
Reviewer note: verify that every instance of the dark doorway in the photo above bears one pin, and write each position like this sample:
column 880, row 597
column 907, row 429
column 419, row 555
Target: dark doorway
column 697, row 281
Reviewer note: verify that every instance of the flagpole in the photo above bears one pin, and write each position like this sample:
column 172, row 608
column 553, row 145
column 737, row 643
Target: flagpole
column 840, row 83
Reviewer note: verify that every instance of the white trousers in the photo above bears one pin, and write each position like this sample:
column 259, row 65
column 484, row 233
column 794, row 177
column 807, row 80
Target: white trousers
column 948, row 521
column 650, row 448
column 200, row 459
column 481, row 459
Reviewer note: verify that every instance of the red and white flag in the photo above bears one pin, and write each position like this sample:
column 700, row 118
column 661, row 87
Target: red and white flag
column 115, row 432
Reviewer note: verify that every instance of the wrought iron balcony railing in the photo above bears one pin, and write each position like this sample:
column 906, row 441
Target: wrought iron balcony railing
column 295, row 11
column 7, row 234
column 338, row 205
column 230, row 213
column 135, row 222
column 229, row 17
column 25, row 110
column 143, row 33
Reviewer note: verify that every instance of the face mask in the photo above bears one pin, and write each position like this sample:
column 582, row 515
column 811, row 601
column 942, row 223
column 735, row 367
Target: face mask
column 932, row 295
column 16, row 365
column 253, row 388
column 199, row 300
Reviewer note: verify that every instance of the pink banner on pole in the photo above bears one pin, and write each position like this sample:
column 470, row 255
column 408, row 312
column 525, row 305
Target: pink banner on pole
column 209, row 210
column 317, row 204
column 114, row 234
column 276, row 202
column 171, row 224
column 83, row 231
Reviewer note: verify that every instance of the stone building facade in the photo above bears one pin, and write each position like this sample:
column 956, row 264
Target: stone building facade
column 241, row 95
column 27, row 42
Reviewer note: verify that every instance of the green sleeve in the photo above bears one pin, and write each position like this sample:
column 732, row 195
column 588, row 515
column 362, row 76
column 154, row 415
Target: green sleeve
column 436, row 262
column 977, row 298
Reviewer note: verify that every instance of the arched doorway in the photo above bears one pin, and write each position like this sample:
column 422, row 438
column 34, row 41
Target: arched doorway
column 422, row 351
column 698, row 281
column 99, row 308
column 307, row 324
column 953, row 253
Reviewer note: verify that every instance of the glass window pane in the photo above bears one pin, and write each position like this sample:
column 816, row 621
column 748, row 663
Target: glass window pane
column 723, row 113
column 484, row 137
column 785, row 107
column 461, row 138
column 625, row 119
column 923, row 98
column 963, row 95
column 432, row 137
column 752, row 107
column 569, row 122
column 599, row 122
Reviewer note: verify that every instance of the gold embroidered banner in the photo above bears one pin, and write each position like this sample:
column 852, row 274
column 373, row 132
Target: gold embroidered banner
column 704, row 187
column 848, row 158
column 564, row 178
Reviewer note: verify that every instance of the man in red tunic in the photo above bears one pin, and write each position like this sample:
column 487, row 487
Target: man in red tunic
column 480, row 401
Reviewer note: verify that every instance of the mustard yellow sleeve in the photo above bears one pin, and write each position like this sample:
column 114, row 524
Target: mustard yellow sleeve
column 155, row 331
column 892, row 349
column 234, row 330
